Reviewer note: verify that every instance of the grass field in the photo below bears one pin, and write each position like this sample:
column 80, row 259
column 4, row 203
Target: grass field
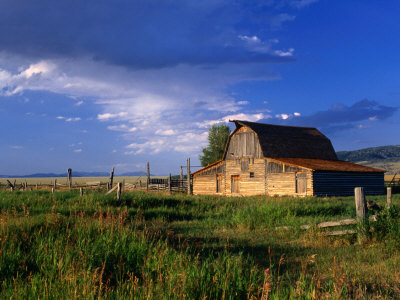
column 156, row 246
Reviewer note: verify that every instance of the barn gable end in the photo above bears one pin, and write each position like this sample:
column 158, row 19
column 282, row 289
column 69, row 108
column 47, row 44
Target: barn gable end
column 244, row 143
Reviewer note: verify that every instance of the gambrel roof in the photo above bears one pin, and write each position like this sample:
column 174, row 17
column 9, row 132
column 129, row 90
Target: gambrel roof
column 279, row 141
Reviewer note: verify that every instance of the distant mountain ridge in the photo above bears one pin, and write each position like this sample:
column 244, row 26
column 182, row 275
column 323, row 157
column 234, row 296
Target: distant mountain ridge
column 383, row 157
column 74, row 174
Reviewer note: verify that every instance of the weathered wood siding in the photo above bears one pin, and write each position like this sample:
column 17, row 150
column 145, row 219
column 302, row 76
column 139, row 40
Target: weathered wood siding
column 204, row 185
column 282, row 184
column 343, row 183
column 283, row 179
column 244, row 143
column 249, row 184
column 205, row 182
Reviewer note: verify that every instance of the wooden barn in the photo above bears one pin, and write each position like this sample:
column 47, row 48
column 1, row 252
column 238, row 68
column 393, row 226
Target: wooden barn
column 283, row 160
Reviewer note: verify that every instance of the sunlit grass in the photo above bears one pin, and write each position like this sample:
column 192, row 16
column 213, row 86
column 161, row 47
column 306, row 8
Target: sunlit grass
column 158, row 246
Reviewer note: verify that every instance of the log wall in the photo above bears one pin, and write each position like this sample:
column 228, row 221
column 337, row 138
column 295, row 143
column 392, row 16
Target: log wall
column 282, row 184
column 205, row 185
column 252, row 176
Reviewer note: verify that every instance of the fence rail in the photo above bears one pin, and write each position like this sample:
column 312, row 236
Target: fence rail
column 361, row 220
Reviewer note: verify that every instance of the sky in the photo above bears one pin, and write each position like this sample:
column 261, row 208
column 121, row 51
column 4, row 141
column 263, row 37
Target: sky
column 93, row 84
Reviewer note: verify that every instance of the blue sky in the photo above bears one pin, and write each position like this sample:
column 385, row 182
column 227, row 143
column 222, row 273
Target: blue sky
column 95, row 84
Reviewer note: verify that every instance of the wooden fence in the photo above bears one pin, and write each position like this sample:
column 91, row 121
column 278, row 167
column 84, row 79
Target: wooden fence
column 147, row 183
column 360, row 220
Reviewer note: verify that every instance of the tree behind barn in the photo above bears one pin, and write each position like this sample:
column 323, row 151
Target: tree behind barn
column 217, row 137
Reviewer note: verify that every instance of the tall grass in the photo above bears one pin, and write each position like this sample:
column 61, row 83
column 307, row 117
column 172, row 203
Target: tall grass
column 158, row 246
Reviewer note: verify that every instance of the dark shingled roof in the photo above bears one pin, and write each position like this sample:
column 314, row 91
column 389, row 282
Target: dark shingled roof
column 290, row 141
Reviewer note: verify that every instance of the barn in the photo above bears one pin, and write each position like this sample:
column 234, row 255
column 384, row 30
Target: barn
column 265, row 159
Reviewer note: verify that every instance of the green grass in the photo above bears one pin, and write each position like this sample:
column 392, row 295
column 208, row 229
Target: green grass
column 157, row 246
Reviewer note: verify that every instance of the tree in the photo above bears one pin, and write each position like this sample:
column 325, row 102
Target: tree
column 217, row 137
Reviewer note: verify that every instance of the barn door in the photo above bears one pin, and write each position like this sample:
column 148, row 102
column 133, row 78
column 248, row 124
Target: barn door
column 219, row 183
column 301, row 183
column 235, row 184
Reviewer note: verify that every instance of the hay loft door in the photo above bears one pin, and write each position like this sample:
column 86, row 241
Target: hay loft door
column 235, row 184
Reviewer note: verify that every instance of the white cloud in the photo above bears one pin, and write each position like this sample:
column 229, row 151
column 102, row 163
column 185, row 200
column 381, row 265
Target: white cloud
column 142, row 102
column 241, row 116
column 78, row 150
column 16, row 147
column 79, row 103
column 297, row 114
column 107, row 116
column 154, row 147
column 4, row 76
column 122, row 127
column 282, row 116
column 165, row 132
column 75, row 119
column 360, row 126
column 374, row 118
column 250, row 39
column 41, row 67
column 285, row 53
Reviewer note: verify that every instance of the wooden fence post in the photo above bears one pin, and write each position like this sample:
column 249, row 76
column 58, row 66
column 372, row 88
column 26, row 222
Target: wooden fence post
column 69, row 178
column 81, row 192
column 37, row 186
column 189, row 188
column 389, row 197
column 148, row 176
column 119, row 191
column 361, row 211
column 181, row 174
column 169, row 184
column 111, row 178
column 55, row 184
column 12, row 186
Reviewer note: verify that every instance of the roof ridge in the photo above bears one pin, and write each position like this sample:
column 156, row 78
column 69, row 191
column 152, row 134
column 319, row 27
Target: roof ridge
column 289, row 126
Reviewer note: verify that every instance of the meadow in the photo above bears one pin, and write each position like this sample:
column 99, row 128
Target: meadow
column 158, row 246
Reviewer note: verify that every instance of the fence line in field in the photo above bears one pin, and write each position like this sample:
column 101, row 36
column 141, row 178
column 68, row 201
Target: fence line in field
column 148, row 183
column 360, row 220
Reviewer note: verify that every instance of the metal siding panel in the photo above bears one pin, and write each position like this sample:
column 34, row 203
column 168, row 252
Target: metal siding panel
column 343, row 183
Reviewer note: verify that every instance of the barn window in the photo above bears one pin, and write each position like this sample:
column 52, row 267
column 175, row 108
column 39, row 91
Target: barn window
column 251, row 174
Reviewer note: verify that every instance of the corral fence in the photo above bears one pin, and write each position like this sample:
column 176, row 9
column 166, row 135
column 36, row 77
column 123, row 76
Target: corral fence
column 170, row 184
column 361, row 220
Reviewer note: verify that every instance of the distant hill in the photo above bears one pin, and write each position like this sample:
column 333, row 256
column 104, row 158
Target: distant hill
column 74, row 174
column 384, row 157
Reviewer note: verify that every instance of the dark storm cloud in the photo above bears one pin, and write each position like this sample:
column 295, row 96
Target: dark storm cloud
column 342, row 117
column 141, row 34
